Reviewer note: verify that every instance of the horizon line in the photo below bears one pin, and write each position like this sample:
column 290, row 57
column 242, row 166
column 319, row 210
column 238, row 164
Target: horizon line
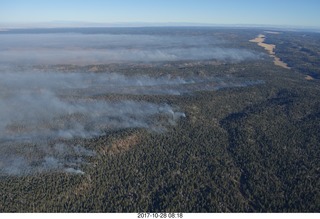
column 84, row 24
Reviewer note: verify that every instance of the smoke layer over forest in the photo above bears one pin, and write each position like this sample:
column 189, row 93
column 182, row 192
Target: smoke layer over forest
column 42, row 112
column 85, row 49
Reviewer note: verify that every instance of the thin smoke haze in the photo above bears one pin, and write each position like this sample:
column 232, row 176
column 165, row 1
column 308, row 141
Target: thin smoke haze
column 85, row 49
column 43, row 112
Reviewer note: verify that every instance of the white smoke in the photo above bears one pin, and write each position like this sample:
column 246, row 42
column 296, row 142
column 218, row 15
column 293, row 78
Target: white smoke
column 108, row 48
column 43, row 113
column 39, row 112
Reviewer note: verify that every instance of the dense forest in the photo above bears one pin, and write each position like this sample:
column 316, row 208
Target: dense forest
column 249, row 147
column 299, row 50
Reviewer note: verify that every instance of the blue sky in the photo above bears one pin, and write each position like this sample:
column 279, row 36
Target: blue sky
column 269, row 12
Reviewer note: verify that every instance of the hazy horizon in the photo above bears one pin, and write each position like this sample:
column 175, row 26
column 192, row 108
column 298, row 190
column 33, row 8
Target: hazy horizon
column 35, row 13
